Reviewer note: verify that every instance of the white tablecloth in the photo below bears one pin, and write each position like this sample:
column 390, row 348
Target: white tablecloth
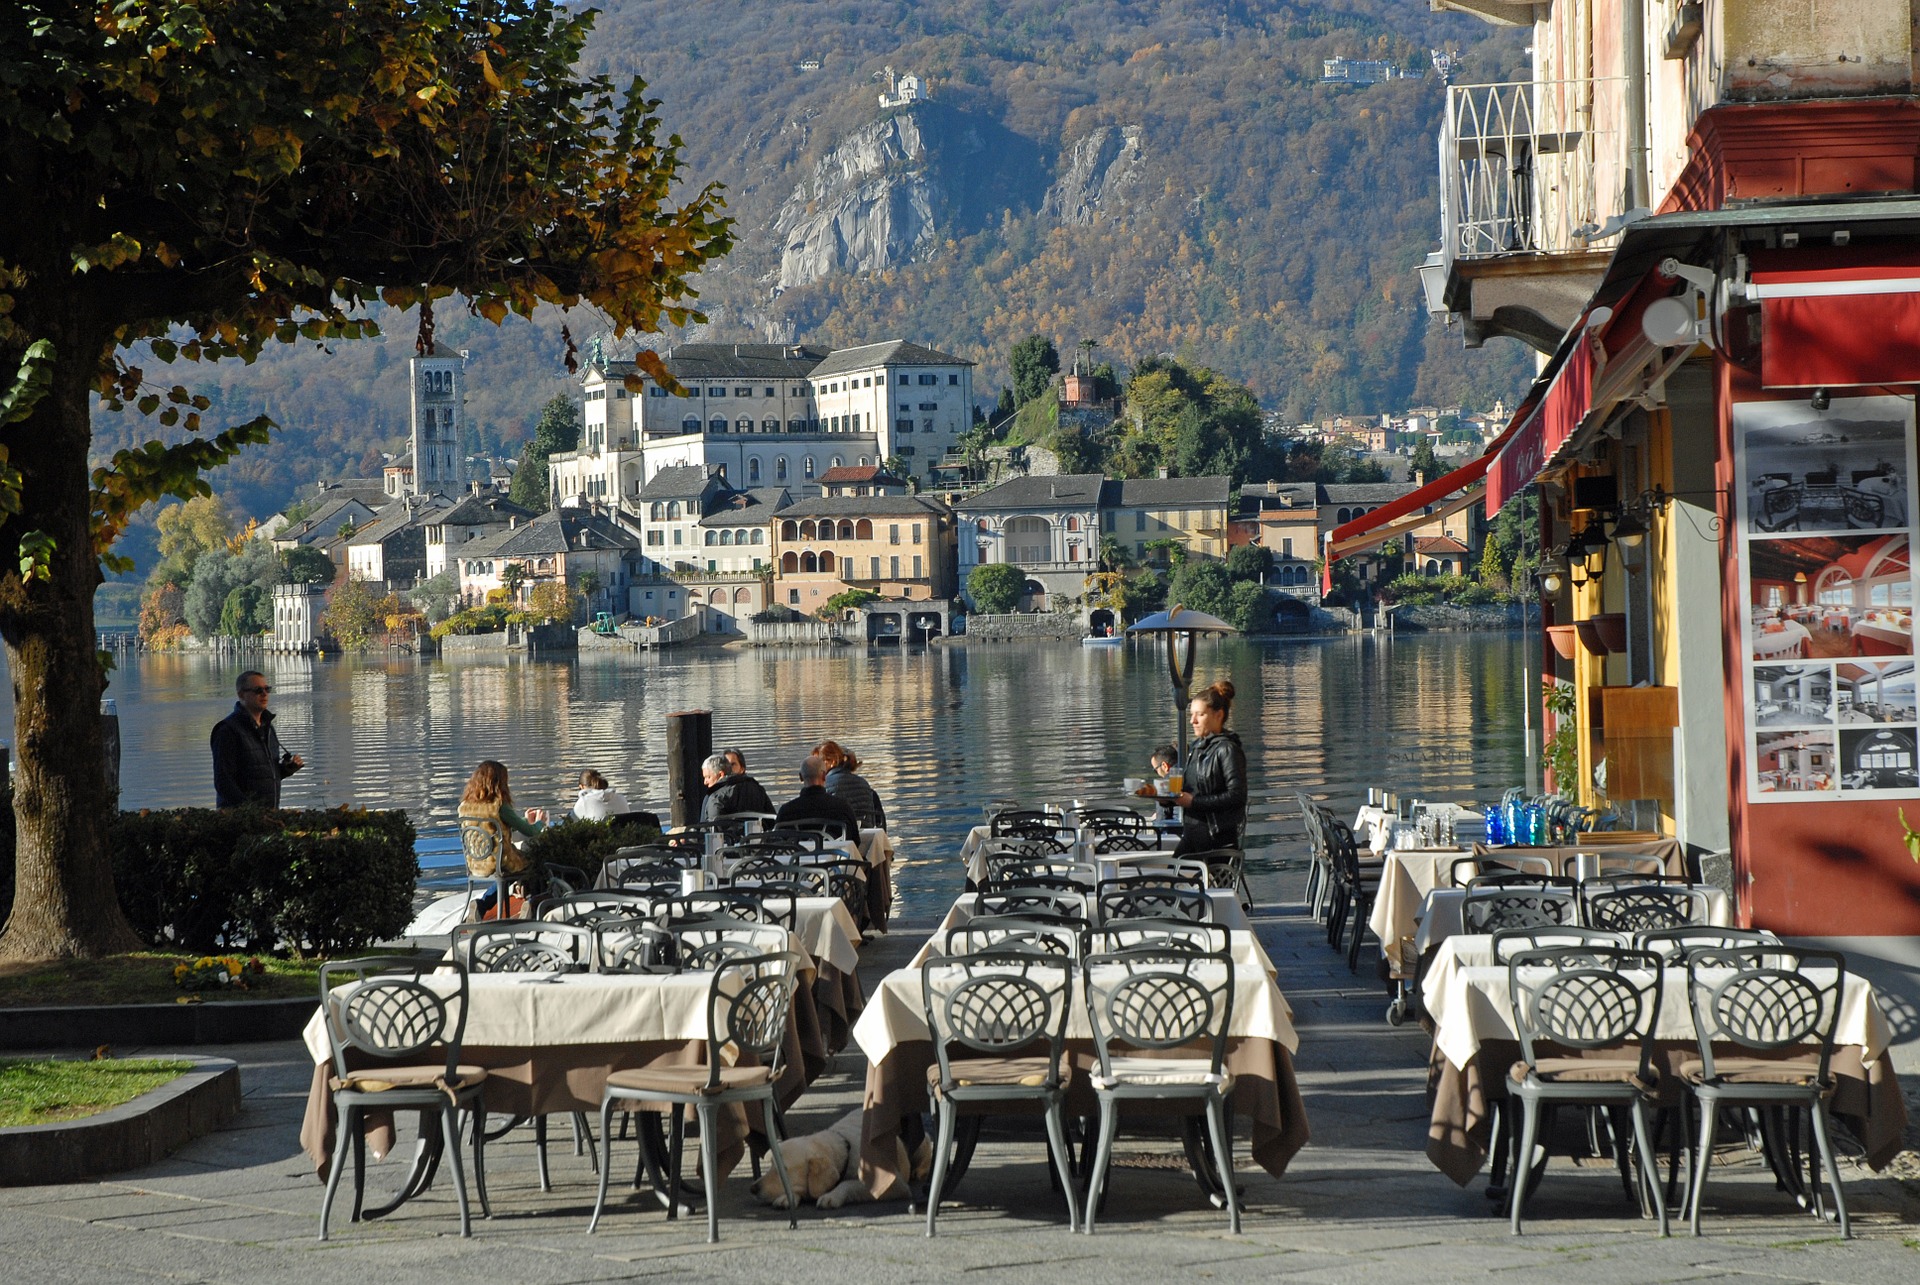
column 1407, row 876
column 1469, row 1001
column 1787, row 641
column 1440, row 915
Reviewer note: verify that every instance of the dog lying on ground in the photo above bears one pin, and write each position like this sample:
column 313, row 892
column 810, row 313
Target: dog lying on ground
column 825, row 1168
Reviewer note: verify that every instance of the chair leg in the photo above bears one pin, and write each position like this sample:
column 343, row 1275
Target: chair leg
column 944, row 1112
column 451, row 1115
column 359, row 1171
column 1649, row 1162
column 710, row 1167
column 1499, row 1149
column 540, row 1151
column 344, row 1125
column 583, row 1133
column 1823, row 1143
column 1709, row 1118
column 676, row 1148
column 776, row 1133
column 1102, row 1158
column 606, row 1170
column 1523, row 1159
column 1222, row 1134
column 479, row 1153
column 1062, row 1161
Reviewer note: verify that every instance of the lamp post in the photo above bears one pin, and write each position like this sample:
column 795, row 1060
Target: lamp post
column 1181, row 626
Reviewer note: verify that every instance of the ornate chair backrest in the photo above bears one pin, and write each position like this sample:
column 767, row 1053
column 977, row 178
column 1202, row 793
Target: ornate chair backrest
column 483, row 842
column 1158, row 999
column 632, row 946
column 787, row 840
column 1644, row 907
column 998, row 1002
column 383, row 1009
column 1643, row 869
column 1675, row 944
column 1586, row 998
column 1048, row 934
column 1117, row 935
column 1190, row 875
column 1112, row 820
column 701, row 944
column 756, row 864
column 1490, row 910
column 630, row 872
column 779, row 899
column 1143, row 839
column 590, row 908
column 748, row 1005
column 1512, row 866
column 825, row 827
column 1765, row 998
column 743, row 906
column 1151, row 899
column 1508, row 942
column 523, row 946
column 1025, row 822
column 1017, row 900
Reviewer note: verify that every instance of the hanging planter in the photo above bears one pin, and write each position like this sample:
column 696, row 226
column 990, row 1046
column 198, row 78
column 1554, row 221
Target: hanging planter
column 1590, row 637
column 1562, row 638
column 1612, row 626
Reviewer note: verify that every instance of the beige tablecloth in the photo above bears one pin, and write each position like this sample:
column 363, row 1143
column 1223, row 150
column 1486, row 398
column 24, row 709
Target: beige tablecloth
column 1406, row 877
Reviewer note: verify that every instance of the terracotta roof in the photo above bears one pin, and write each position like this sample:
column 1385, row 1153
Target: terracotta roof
column 843, row 474
column 1437, row 544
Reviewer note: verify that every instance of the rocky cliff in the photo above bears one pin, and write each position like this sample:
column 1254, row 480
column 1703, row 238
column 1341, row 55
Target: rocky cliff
column 868, row 204
column 1095, row 175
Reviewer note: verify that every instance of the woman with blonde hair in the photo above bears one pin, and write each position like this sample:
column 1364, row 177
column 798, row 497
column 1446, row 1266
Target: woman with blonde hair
column 845, row 783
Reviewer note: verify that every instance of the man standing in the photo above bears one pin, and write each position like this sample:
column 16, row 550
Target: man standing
column 814, row 803
column 248, row 763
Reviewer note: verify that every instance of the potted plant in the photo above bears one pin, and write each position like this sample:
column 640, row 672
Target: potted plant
column 1562, row 637
column 1590, row 637
column 1612, row 626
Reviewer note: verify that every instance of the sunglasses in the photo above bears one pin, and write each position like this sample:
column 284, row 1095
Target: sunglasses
column 261, row 691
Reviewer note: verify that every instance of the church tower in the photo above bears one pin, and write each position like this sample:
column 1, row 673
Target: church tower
column 438, row 423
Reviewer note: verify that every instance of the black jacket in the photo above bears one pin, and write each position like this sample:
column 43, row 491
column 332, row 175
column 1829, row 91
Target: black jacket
column 737, row 793
column 852, row 789
column 247, row 760
column 814, row 803
column 1217, row 778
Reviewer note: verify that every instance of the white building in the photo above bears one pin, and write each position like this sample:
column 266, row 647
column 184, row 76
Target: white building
column 437, row 424
column 296, row 616
column 916, row 402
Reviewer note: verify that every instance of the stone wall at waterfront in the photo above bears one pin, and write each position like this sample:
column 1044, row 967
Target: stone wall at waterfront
column 784, row 633
column 1448, row 617
column 514, row 638
column 1018, row 627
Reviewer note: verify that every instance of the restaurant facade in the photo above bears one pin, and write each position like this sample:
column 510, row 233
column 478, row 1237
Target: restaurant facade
column 1704, row 218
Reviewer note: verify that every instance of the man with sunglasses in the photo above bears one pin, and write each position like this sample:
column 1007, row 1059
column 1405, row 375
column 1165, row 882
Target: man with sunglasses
column 248, row 763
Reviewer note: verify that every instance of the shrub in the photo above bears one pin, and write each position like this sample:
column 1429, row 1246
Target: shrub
column 254, row 878
column 474, row 620
column 1249, row 561
column 995, row 587
column 1254, row 608
column 586, row 845
column 1202, row 586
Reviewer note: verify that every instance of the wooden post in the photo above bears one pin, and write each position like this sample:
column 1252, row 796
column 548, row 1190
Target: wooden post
column 689, row 741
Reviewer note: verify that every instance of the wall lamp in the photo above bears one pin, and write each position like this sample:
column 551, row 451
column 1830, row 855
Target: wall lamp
column 1552, row 574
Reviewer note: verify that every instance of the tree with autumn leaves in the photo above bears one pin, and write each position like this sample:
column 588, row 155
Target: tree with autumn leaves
column 188, row 182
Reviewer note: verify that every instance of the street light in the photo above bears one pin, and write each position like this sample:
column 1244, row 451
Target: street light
column 1180, row 623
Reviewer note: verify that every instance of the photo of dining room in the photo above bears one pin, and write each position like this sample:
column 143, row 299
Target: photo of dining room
column 1878, row 691
column 1878, row 759
column 1792, row 695
column 1794, row 762
column 1829, row 598
column 1843, row 468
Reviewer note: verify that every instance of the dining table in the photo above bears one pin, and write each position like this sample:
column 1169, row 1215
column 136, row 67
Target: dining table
column 548, row 1041
column 1468, row 1001
column 894, row 1035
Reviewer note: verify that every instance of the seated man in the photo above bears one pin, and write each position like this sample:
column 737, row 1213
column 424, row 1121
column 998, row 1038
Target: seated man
column 753, row 795
column 813, row 803
column 729, row 793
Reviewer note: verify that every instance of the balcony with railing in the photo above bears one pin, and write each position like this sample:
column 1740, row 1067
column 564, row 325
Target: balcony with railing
column 1533, row 183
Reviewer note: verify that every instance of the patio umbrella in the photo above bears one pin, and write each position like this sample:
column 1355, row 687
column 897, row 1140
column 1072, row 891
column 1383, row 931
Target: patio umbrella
column 1178, row 624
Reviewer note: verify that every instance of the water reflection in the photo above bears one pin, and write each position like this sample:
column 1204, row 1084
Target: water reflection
column 941, row 730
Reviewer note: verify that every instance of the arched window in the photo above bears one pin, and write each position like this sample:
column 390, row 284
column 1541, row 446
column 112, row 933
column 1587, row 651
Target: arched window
column 1029, row 540
column 657, row 511
column 780, row 469
column 846, row 530
column 863, row 530
column 691, row 424
column 1073, row 523
column 726, row 537
column 673, row 510
column 757, row 534
column 808, row 562
column 741, row 596
column 712, row 538
column 836, row 462
column 807, row 531
column 1342, row 517
column 1433, row 568
column 789, row 563
column 826, row 562
column 769, row 425
column 806, row 466
column 743, row 425
column 789, row 530
column 739, row 537
column 753, row 469
column 717, row 424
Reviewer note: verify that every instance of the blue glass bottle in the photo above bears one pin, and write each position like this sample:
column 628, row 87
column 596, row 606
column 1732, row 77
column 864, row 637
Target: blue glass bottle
column 1496, row 827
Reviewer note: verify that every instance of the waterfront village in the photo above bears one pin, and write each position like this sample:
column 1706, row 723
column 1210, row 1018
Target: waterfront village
column 797, row 493
column 1650, row 992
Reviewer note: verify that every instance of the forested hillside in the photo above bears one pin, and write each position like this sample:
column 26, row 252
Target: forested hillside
column 1156, row 178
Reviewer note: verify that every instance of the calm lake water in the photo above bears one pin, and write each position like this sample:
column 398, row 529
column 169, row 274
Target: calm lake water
column 941, row 730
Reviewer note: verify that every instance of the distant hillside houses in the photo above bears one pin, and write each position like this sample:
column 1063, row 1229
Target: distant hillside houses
column 1362, row 71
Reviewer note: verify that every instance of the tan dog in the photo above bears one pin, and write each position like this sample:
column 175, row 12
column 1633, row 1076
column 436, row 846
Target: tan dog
column 825, row 1168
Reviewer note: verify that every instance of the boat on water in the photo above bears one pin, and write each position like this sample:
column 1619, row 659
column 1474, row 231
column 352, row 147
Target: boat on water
column 1107, row 640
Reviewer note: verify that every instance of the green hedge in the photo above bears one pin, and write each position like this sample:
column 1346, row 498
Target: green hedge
column 586, row 845
column 316, row 882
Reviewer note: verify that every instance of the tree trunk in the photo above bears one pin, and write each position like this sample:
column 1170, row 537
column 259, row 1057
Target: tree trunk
column 64, row 904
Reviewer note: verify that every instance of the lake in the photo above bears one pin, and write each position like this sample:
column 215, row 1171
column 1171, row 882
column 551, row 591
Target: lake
column 940, row 730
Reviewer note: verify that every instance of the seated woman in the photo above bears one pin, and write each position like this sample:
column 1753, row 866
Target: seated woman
column 598, row 800
column 488, row 799
column 845, row 783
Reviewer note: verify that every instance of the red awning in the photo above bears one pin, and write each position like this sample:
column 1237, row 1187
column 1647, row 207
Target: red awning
column 1833, row 318
column 1553, row 421
column 1343, row 538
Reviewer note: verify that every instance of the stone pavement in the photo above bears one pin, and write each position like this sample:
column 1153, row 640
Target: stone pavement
column 1360, row 1203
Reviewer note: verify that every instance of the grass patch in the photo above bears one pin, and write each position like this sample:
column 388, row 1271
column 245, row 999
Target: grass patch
column 144, row 978
column 49, row 1092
